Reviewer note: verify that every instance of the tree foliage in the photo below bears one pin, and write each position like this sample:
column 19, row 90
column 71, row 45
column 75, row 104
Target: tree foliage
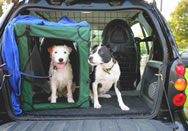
column 179, row 24
column 3, row 5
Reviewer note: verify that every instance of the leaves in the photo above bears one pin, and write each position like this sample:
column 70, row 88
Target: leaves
column 179, row 24
column 1, row 3
column 3, row 6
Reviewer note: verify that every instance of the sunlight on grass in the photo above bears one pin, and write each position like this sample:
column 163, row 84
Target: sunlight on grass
column 186, row 91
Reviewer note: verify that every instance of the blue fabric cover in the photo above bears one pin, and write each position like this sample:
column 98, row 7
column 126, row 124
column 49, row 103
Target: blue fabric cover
column 10, row 53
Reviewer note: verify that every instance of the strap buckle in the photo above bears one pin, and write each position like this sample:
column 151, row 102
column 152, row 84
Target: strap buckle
column 3, row 80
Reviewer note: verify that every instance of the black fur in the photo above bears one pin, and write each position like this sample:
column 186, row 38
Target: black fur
column 92, row 74
column 105, row 54
column 93, row 78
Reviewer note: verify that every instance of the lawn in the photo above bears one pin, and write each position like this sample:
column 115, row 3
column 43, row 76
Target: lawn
column 186, row 91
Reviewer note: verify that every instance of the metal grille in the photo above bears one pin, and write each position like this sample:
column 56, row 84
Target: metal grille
column 97, row 20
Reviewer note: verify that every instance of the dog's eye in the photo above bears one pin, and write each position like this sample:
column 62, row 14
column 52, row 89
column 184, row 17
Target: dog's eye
column 55, row 52
column 65, row 52
column 93, row 51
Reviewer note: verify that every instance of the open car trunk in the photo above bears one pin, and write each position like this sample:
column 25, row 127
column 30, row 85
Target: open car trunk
column 141, row 103
column 140, row 83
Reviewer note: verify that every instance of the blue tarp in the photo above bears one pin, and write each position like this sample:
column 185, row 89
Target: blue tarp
column 10, row 52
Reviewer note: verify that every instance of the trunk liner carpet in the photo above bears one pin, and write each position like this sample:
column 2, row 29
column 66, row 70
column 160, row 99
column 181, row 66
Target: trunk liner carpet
column 110, row 107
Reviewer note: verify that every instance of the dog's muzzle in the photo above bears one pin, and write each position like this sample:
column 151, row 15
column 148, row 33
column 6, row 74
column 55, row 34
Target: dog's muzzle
column 60, row 59
column 90, row 59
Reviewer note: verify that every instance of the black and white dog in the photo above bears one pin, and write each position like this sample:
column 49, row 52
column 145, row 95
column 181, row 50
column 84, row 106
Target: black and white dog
column 106, row 74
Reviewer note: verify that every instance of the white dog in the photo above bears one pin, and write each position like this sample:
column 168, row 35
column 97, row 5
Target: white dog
column 105, row 74
column 61, row 72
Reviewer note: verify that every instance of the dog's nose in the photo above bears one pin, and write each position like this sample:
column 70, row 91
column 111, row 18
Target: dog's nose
column 60, row 59
column 90, row 58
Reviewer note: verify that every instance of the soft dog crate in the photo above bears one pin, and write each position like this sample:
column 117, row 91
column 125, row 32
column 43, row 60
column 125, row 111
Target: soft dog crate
column 29, row 37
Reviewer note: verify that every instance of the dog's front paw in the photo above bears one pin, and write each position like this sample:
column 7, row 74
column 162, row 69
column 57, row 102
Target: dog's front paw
column 97, row 106
column 124, row 107
column 70, row 100
column 53, row 101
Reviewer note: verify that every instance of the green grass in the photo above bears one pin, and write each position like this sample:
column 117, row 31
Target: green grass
column 186, row 90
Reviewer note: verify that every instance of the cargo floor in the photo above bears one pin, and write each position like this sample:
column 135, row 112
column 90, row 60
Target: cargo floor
column 110, row 107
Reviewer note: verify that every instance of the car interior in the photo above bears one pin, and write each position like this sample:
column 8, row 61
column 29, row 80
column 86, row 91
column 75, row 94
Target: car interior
column 139, row 64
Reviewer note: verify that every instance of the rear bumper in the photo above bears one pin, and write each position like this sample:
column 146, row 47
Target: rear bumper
column 91, row 125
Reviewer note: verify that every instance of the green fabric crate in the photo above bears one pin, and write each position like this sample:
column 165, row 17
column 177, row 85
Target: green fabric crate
column 80, row 35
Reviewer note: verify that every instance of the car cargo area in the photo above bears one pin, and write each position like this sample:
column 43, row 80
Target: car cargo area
column 140, row 65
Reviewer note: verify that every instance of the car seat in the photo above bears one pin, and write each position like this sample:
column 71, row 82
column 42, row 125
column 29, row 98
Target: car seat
column 119, row 37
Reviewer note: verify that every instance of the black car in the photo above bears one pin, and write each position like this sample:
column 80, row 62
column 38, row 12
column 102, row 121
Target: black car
column 152, row 81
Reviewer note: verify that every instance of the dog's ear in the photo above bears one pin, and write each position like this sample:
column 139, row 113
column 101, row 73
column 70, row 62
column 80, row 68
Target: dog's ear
column 70, row 49
column 50, row 49
column 109, row 47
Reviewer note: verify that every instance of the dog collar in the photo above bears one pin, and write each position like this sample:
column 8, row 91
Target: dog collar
column 108, row 69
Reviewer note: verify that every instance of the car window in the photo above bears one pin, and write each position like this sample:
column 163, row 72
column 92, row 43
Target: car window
column 184, row 53
column 96, row 37
column 140, row 32
column 145, row 47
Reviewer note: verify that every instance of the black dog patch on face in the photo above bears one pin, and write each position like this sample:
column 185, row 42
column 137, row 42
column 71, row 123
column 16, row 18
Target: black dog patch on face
column 105, row 54
column 94, row 49
column 99, row 55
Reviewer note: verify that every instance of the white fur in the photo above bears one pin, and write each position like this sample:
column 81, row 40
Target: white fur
column 106, row 79
column 96, row 58
column 61, row 77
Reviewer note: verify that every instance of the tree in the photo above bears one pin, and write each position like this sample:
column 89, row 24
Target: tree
column 3, row 5
column 179, row 24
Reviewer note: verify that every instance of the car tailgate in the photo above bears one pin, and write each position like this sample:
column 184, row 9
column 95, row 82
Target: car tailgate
column 91, row 125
